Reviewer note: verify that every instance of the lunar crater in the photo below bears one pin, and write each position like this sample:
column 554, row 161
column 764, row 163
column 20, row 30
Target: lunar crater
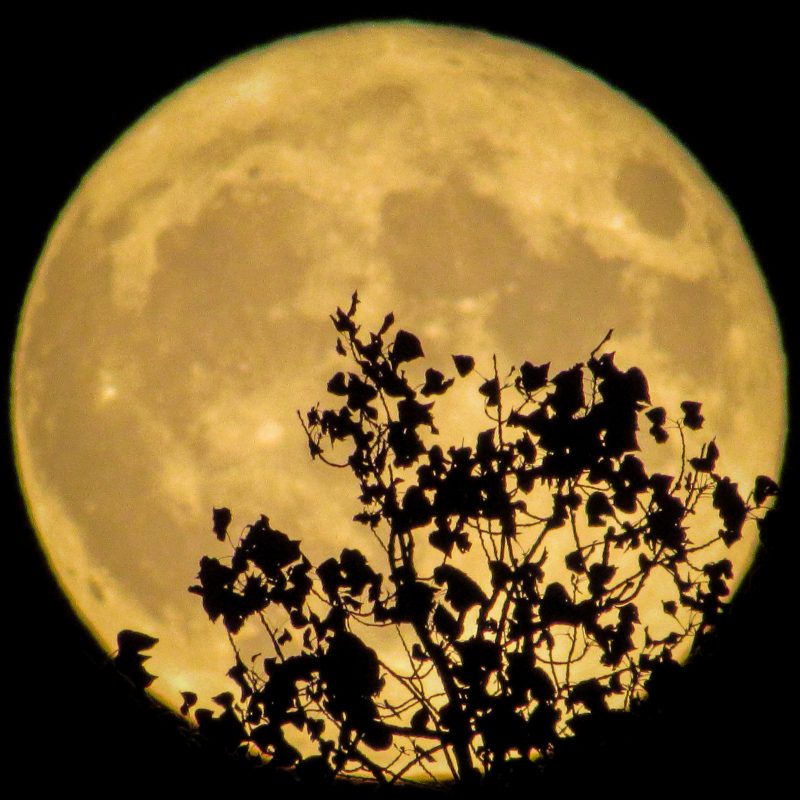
column 653, row 195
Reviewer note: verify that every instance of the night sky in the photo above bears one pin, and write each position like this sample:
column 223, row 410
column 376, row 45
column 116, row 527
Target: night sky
column 79, row 83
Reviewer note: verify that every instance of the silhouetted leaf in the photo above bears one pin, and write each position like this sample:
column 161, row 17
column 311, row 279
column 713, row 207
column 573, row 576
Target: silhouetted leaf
column 387, row 323
column 413, row 602
column 225, row 699
column 670, row 607
column 490, row 389
column 659, row 434
column 464, row 364
column 222, row 518
column 406, row 347
column 524, row 677
column 708, row 460
column 637, row 385
column 463, row 592
column 417, row 508
column 338, row 384
column 568, row 398
column 764, row 487
column 479, row 658
column 129, row 641
column 268, row 549
column 591, row 693
column 435, row 383
column 285, row 637
column 732, row 509
column 189, row 700
column 238, row 673
column 597, row 507
column 532, row 377
column 354, row 301
column 445, row 623
column 574, row 561
column 129, row 661
column 331, row 577
column 501, row 574
column 420, row 719
column 350, row 669
column 418, row 653
column 377, row 736
column 599, row 576
column 692, row 417
column 557, row 606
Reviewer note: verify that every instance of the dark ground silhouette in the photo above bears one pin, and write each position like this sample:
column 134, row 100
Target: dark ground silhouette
column 71, row 722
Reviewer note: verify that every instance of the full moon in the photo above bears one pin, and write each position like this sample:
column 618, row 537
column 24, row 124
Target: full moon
column 499, row 200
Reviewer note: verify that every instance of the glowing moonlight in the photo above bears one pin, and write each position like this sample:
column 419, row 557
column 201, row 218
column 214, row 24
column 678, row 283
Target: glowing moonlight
column 495, row 197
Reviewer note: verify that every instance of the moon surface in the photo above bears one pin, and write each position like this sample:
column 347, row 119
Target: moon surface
column 496, row 198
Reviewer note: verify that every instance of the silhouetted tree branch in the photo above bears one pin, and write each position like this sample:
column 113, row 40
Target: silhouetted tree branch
column 504, row 650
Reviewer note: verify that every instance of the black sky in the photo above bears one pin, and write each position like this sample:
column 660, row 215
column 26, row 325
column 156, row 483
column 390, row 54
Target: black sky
column 723, row 87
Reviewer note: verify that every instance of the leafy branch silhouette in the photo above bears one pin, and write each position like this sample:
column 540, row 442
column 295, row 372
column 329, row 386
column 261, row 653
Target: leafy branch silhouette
column 503, row 649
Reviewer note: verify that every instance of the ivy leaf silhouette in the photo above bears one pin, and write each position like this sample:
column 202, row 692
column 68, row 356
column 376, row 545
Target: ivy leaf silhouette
column 557, row 607
column 524, row 677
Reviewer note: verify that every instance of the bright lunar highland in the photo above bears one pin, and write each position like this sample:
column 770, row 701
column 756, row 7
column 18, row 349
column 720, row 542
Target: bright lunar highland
column 496, row 198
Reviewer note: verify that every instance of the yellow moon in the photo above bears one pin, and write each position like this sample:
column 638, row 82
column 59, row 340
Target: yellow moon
column 495, row 197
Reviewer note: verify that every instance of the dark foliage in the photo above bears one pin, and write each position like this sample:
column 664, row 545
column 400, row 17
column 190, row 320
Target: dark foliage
column 509, row 650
